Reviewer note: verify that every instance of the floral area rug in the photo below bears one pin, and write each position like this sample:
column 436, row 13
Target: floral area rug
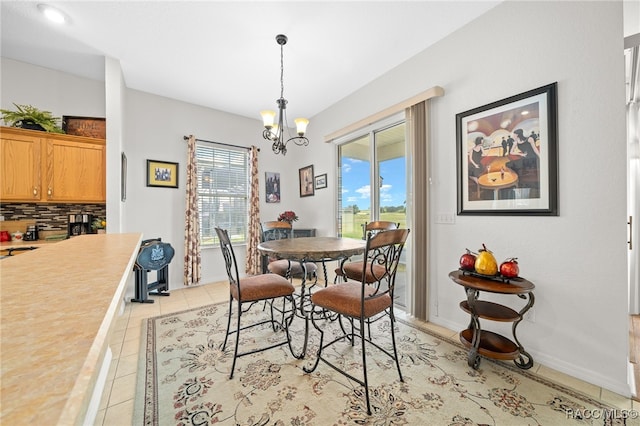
column 184, row 380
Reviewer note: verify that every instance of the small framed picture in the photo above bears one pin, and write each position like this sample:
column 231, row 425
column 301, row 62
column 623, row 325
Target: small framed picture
column 321, row 181
column 306, row 181
column 272, row 187
column 507, row 156
column 162, row 174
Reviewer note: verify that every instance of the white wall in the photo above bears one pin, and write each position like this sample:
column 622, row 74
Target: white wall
column 577, row 260
column 154, row 129
column 49, row 90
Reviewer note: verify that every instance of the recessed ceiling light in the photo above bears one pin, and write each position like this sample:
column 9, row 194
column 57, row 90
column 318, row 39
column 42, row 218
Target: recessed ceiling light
column 52, row 14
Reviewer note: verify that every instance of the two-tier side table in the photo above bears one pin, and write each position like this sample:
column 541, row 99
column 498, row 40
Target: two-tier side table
column 488, row 343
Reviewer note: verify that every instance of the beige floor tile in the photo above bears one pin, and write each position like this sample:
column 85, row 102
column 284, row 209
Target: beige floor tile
column 106, row 393
column 146, row 310
column 119, row 415
column 113, row 366
column 99, row 418
column 117, row 335
column 176, row 307
column 127, row 365
column 133, row 332
column 616, row 400
column 121, row 323
column 572, row 382
column 123, row 389
column 130, row 347
column 115, row 347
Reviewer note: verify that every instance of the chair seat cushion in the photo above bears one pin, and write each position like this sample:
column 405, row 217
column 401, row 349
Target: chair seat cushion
column 353, row 270
column 263, row 286
column 344, row 298
column 281, row 267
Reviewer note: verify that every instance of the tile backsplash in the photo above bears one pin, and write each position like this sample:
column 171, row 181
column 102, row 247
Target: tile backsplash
column 50, row 217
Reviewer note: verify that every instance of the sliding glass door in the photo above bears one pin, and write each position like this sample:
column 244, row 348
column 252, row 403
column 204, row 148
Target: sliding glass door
column 373, row 184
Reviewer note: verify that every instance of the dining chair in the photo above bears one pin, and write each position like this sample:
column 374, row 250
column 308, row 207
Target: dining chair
column 250, row 290
column 360, row 302
column 277, row 230
column 354, row 268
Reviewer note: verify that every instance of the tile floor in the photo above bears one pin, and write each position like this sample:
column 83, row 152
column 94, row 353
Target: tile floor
column 116, row 406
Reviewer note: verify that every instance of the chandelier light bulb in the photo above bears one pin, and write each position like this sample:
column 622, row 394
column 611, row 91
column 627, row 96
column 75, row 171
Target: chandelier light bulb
column 301, row 125
column 268, row 117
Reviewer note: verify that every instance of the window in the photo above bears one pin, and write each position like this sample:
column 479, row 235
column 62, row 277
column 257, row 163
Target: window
column 223, row 191
column 372, row 185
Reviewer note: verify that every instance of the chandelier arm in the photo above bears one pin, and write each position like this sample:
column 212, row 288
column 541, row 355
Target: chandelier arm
column 298, row 140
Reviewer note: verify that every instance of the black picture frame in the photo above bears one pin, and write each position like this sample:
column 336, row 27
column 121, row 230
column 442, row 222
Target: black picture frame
column 321, row 181
column 162, row 174
column 306, row 177
column 507, row 156
column 272, row 187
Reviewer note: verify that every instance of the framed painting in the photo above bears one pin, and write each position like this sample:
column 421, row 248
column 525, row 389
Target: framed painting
column 306, row 181
column 162, row 174
column 272, row 187
column 321, row 181
column 507, row 156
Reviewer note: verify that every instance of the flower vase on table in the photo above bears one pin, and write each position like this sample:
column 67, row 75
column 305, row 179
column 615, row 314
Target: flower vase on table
column 288, row 216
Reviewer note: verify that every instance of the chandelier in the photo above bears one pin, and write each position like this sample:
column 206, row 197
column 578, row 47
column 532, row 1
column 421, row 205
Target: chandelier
column 275, row 132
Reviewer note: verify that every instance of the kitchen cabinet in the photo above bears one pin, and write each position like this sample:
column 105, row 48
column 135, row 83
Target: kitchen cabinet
column 20, row 175
column 51, row 168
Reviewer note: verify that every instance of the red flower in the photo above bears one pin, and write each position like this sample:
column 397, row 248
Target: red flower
column 288, row 216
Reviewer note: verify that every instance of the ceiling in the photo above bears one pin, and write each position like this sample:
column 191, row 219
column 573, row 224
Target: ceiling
column 223, row 54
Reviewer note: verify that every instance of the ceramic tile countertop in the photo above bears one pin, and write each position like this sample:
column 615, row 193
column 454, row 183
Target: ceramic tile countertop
column 58, row 304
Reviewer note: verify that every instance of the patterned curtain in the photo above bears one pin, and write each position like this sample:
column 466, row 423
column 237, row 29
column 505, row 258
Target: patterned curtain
column 192, row 263
column 253, row 257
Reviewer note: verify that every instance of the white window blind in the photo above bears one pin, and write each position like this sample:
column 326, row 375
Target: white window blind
column 223, row 191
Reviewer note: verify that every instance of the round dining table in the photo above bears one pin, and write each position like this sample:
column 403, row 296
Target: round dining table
column 311, row 249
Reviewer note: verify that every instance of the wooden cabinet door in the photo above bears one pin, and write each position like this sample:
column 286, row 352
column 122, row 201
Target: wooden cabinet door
column 20, row 167
column 76, row 171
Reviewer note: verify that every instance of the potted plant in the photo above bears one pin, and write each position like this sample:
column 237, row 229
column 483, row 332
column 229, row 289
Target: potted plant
column 29, row 117
column 99, row 225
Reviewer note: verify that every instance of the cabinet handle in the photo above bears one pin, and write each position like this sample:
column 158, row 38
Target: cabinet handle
column 49, row 192
column 35, row 191
column 630, row 223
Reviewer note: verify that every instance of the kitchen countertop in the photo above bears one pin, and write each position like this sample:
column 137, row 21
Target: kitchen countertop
column 5, row 245
column 58, row 306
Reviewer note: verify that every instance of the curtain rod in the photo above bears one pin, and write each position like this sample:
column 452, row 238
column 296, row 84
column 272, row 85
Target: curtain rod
column 220, row 143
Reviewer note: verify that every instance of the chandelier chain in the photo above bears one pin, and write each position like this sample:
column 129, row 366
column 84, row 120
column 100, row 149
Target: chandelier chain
column 282, row 71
